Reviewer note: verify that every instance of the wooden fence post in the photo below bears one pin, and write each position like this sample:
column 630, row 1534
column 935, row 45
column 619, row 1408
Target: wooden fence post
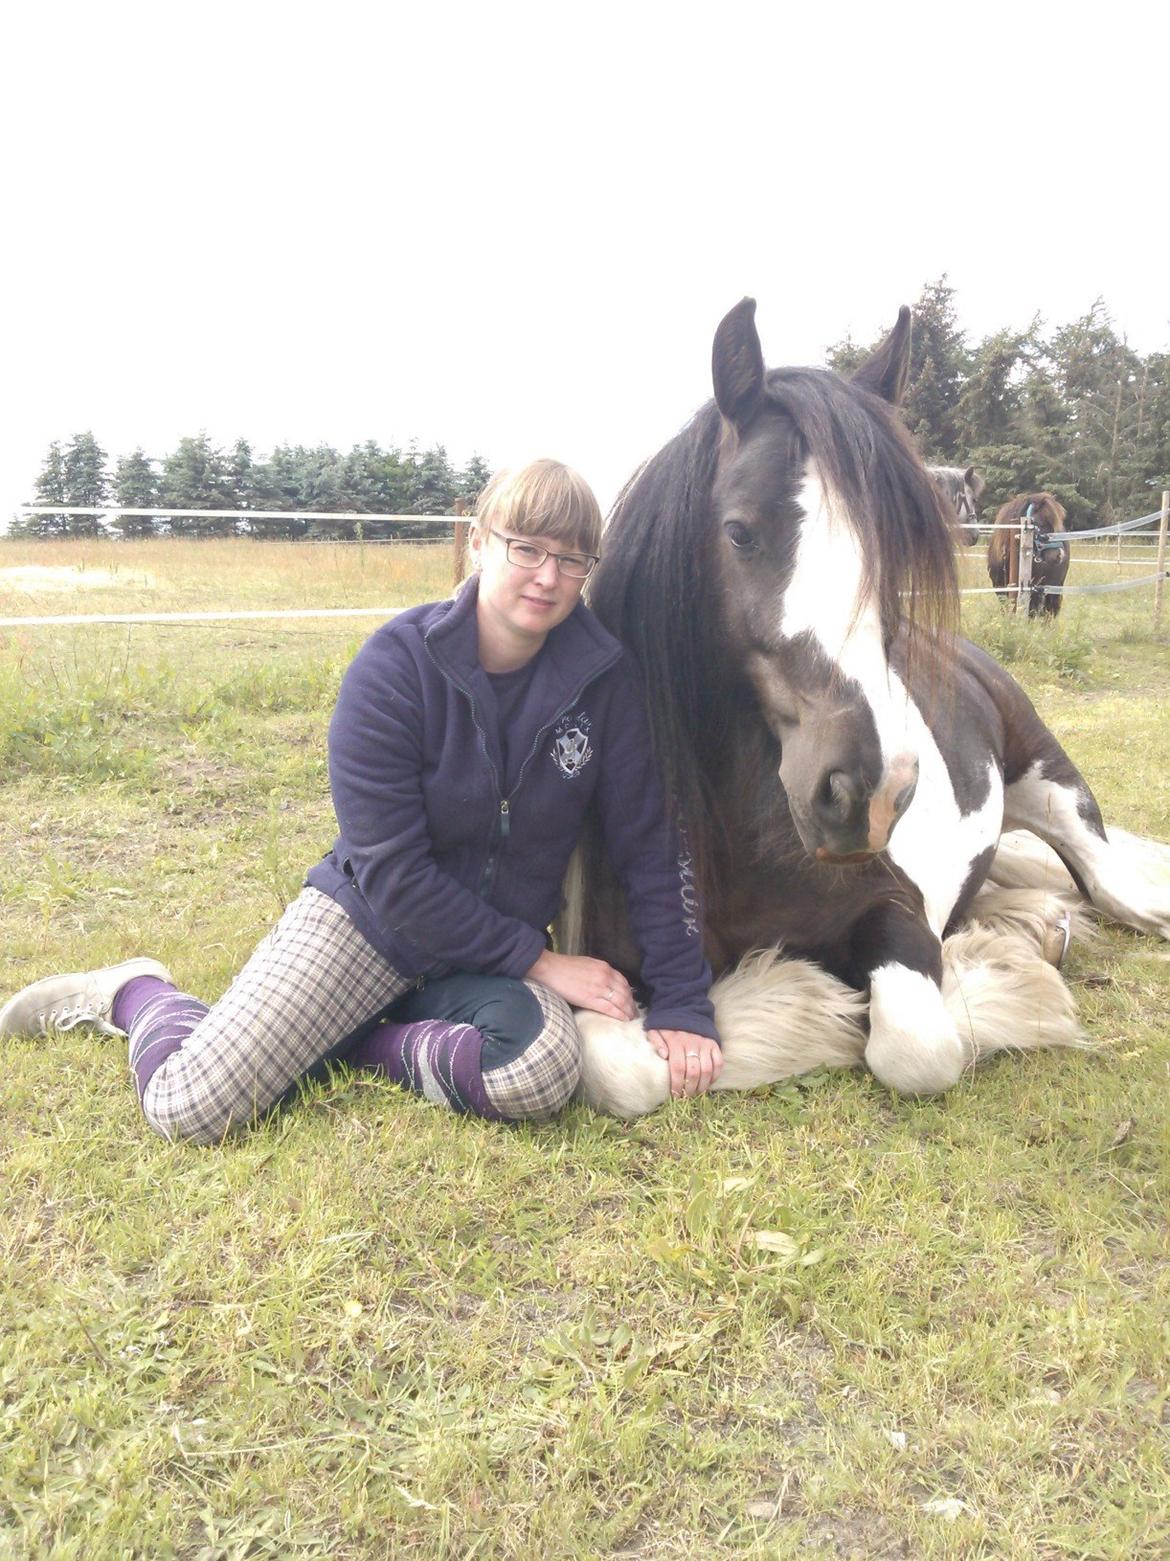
column 1161, row 564
column 460, row 508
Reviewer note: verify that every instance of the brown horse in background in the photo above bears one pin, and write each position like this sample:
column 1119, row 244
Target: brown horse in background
column 1050, row 559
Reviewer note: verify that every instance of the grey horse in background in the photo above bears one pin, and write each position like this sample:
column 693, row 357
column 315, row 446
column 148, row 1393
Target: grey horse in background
column 962, row 488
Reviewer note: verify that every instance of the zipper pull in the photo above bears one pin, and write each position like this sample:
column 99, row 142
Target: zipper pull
column 505, row 821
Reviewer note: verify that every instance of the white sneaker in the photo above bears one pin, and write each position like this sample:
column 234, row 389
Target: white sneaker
column 86, row 997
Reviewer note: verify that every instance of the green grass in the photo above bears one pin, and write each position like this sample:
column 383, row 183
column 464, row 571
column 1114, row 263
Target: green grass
column 371, row 1329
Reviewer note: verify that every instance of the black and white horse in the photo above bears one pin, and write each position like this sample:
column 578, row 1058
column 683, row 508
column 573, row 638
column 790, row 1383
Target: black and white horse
column 843, row 763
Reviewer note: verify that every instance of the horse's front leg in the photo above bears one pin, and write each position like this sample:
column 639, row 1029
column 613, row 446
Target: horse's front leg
column 914, row 1046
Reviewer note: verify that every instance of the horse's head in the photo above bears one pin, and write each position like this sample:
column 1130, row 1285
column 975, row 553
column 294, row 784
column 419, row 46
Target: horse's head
column 827, row 531
column 962, row 489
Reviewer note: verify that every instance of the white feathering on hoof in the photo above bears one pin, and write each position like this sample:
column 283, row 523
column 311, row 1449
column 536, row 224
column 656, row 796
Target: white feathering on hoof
column 1003, row 995
column 777, row 1017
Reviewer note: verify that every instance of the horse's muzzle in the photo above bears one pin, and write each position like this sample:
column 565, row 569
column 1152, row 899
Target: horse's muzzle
column 854, row 823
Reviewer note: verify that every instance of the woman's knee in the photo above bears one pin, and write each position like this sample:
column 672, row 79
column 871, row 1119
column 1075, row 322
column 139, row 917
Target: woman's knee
column 535, row 1080
column 196, row 1116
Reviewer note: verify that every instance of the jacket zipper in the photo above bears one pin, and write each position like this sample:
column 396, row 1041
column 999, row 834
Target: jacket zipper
column 506, row 802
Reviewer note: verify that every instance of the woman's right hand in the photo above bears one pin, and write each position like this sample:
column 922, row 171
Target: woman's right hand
column 585, row 983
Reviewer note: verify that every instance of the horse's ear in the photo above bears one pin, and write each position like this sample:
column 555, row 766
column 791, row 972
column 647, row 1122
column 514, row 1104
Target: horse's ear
column 973, row 480
column 737, row 364
column 886, row 373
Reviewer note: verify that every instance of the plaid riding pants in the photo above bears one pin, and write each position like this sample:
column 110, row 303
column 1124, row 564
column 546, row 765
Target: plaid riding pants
column 311, row 990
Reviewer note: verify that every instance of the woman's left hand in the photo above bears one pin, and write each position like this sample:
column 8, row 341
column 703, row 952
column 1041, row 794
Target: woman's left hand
column 695, row 1060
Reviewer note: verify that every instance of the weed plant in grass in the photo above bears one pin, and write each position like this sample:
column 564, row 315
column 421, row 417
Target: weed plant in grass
column 816, row 1320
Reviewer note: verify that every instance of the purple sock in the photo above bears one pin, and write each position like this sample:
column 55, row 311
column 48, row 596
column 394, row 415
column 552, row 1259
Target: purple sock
column 432, row 1058
column 158, row 1018
column 130, row 998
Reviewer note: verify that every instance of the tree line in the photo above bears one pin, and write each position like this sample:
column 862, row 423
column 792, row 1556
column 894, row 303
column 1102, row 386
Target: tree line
column 198, row 475
column 1074, row 410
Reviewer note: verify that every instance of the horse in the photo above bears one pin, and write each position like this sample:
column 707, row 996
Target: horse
column 841, row 762
column 1050, row 559
column 962, row 487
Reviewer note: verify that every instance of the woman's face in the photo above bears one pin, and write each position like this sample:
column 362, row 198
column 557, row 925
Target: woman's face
column 517, row 606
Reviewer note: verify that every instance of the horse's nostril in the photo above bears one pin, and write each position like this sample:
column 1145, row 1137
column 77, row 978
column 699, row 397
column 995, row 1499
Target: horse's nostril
column 904, row 798
column 839, row 794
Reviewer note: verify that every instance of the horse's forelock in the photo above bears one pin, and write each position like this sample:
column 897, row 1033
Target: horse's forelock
column 863, row 452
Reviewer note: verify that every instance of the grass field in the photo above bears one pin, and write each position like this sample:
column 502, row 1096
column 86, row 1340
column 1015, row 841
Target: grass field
column 372, row 1329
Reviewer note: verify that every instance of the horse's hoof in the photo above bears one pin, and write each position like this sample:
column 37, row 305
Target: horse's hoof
column 1056, row 940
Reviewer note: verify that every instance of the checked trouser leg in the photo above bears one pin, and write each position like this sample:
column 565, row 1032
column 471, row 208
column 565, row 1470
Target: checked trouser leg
column 311, row 988
column 315, row 991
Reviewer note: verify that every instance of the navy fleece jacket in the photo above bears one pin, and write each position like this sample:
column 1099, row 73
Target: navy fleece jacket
column 446, row 861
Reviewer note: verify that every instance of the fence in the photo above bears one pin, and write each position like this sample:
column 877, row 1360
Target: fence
column 458, row 521
column 1021, row 587
column 1017, row 592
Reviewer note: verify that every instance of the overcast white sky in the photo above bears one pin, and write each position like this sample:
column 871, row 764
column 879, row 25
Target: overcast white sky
column 514, row 228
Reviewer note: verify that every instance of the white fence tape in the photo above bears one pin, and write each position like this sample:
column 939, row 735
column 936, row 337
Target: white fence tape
column 198, row 617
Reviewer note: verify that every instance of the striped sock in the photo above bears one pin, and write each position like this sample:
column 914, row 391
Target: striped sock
column 158, row 1019
column 433, row 1058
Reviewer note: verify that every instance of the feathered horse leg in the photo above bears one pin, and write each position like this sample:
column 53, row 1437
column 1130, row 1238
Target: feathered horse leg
column 781, row 1017
column 777, row 1017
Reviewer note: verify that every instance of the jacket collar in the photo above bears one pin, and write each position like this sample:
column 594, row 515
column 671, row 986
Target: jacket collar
column 574, row 653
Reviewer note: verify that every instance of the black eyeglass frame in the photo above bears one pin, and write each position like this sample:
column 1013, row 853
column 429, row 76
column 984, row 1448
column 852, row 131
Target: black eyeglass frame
column 591, row 559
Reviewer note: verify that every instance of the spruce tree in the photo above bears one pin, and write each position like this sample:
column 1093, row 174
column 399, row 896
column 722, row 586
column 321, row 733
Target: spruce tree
column 195, row 476
column 473, row 479
column 85, row 483
column 49, row 488
column 938, row 366
column 240, row 475
column 136, row 486
column 435, row 488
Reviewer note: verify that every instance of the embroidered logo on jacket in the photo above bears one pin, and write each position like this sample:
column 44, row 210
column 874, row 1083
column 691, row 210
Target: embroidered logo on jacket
column 571, row 749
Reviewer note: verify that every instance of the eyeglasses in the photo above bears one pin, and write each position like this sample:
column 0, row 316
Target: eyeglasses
column 527, row 555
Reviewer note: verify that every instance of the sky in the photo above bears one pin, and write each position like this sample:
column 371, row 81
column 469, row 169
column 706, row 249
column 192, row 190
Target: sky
column 513, row 228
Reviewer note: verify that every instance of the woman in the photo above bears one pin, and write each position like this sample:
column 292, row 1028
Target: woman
column 468, row 739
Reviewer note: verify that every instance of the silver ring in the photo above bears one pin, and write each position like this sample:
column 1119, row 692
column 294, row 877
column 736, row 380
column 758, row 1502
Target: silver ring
column 692, row 1054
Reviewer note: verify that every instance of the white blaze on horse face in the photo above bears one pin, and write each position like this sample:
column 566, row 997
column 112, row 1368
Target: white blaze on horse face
column 825, row 599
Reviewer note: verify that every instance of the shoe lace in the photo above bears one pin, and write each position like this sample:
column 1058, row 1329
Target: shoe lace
column 64, row 1016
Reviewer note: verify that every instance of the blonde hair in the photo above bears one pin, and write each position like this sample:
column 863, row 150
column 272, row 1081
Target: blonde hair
column 543, row 499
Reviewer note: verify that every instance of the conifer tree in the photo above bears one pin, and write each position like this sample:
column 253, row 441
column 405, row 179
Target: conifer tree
column 241, row 475
column 938, row 366
column 49, row 488
column 434, row 489
column 195, row 476
column 473, row 479
column 136, row 486
column 86, row 482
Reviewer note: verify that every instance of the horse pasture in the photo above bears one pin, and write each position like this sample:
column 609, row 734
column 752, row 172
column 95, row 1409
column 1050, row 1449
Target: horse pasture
column 815, row 1320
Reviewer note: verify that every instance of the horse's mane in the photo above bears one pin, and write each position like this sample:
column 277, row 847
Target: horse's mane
column 656, row 585
column 1048, row 514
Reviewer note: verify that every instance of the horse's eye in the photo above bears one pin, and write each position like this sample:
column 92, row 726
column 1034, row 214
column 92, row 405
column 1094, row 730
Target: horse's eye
column 739, row 536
